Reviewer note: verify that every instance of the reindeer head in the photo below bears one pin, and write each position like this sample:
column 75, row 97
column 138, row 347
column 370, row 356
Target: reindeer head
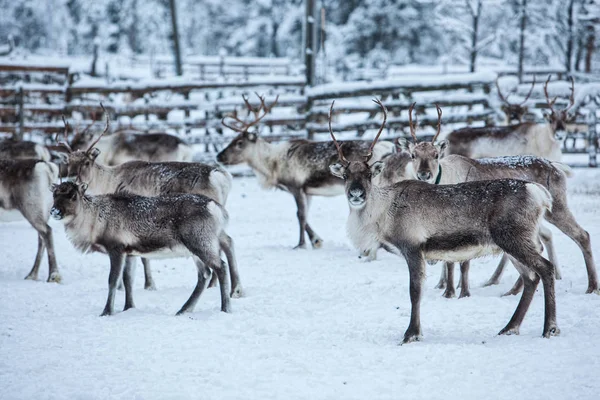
column 425, row 155
column 81, row 162
column 558, row 120
column 67, row 200
column 357, row 175
column 241, row 148
column 514, row 112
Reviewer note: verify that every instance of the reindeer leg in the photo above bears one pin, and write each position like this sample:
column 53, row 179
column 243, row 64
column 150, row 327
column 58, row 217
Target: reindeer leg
column 203, row 272
column 300, row 198
column 213, row 279
column 561, row 217
column 546, row 237
column 315, row 240
column 464, row 279
column 443, row 277
column 128, row 273
column 33, row 274
column 516, row 289
column 222, row 272
column 416, row 269
column 226, row 243
column 495, row 278
column 148, row 280
column 53, row 274
column 116, row 264
column 530, row 283
column 449, row 292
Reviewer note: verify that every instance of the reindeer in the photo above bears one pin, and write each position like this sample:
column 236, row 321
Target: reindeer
column 25, row 187
column 430, row 165
column 452, row 223
column 528, row 138
column 154, row 179
column 299, row 167
column 12, row 149
column 514, row 112
column 122, row 224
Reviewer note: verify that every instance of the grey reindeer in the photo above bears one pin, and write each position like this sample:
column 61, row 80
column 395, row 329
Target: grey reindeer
column 153, row 179
column 458, row 222
column 25, row 186
column 527, row 138
column 300, row 167
column 428, row 164
column 122, row 224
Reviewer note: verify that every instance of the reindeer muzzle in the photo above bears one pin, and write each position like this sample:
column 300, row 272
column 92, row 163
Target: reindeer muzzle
column 56, row 213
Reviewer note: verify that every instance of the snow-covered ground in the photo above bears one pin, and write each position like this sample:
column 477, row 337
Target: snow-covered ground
column 312, row 325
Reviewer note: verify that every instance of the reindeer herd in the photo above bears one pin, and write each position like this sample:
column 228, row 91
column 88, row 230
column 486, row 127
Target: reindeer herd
column 133, row 195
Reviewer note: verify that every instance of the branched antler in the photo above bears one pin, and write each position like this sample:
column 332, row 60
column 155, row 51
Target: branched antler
column 257, row 115
column 439, row 125
column 380, row 104
column 337, row 145
column 65, row 143
column 550, row 103
column 410, row 123
column 103, row 132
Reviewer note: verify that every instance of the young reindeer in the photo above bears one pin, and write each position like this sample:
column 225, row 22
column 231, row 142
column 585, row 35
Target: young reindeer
column 25, row 186
column 300, row 167
column 154, row 179
column 453, row 223
column 514, row 112
column 528, row 138
column 170, row 225
column 429, row 166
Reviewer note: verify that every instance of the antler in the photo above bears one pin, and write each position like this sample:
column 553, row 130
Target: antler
column 103, row 132
column 439, row 126
column 572, row 96
column 550, row 103
column 65, row 144
column 504, row 99
column 530, row 91
column 380, row 104
column 257, row 116
column 410, row 123
column 337, row 145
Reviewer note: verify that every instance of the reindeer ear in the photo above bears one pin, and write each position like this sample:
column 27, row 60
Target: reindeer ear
column 94, row 153
column 442, row 146
column 83, row 187
column 403, row 144
column 251, row 137
column 337, row 169
column 376, row 168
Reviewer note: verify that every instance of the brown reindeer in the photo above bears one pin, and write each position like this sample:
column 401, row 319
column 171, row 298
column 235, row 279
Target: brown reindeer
column 514, row 112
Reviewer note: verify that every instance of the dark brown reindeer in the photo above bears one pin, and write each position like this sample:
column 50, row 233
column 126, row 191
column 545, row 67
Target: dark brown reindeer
column 120, row 225
column 13, row 149
column 514, row 112
column 458, row 222
column 527, row 138
column 25, row 186
column 300, row 167
column 430, row 165
column 154, row 179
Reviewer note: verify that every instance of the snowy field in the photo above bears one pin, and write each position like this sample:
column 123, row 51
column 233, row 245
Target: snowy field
column 312, row 325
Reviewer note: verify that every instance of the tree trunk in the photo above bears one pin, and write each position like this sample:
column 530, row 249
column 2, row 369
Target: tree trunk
column 176, row 49
column 309, row 41
column 522, row 38
column 475, row 35
column 569, row 46
column 579, row 52
column 591, row 38
column 274, row 47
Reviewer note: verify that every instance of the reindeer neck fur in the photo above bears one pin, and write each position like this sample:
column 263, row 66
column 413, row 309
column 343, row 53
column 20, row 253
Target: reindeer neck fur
column 365, row 224
column 103, row 179
column 544, row 143
column 84, row 229
column 266, row 161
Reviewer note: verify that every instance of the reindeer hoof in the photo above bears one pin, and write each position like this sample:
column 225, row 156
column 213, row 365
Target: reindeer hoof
column 491, row 282
column 590, row 289
column 237, row 292
column 449, row 293
column 106, row 313
column 412, row 338
column 441, row 285
column 55, row 277
column 128, row 306
column 509, row 331
column 317, row 243
column 300, row 246
column 150, row 286
column 553, row 331
column 512, row 292
column 31, row 277
column 463, row 294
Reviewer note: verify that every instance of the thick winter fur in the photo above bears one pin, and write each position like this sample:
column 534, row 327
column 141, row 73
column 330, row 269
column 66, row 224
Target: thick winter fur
column 21, row 149
column 173, row 225
column 25, row 186
column 543, row 140
column 551, row 175
column 453, row 223
column 300, row 167
column 153, row 179
column 126, row 146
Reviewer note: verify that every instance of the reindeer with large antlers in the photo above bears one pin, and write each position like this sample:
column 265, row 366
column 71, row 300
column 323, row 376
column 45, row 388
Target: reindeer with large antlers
column 430, row 165
column 155, row 179
column 527, row 138
column 514, row 112
column 458, row 222
column 299, row 167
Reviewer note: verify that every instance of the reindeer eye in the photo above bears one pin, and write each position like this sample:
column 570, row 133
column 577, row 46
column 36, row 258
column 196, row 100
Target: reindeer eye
column 412, row 156
column 239, row 144
column 435, row 155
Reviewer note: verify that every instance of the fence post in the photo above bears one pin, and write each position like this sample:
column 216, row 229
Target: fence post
column 592, row 139
column 21, row 105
